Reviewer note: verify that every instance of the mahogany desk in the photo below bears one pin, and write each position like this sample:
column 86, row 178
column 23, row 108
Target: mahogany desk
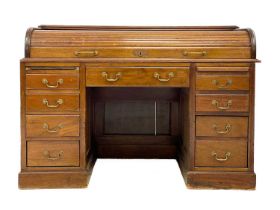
column 185, row 93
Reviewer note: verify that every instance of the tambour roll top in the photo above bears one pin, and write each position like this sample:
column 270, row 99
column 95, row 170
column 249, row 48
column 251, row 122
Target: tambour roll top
column 228, row 42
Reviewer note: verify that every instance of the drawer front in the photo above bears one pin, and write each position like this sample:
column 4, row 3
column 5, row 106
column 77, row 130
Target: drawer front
column 52, row 81
column 52, row 153
column 232, row 153
column 145, row 52
column 52, row 125
column 214, row 81
column 221, row 126
column 52, row 103
column 172, row 77
column 222, row 102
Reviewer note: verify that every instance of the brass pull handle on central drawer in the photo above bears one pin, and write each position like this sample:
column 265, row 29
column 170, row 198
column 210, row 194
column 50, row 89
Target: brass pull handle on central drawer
column 58, row 82
column 58, row 103
column 157, row 76
column 117, row 77
column 53, row 130
column 48, row 155
column 225, row 131
column 186, row 53
column 227, row 106
column 227, row 155
column 86, row 53
column 222, row 86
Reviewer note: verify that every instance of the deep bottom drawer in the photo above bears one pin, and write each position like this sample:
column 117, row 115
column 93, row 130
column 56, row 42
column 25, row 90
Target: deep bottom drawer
column 53, row 153
column 221, row 153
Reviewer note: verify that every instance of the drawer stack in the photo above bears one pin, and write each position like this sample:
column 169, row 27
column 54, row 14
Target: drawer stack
column 52, row 116
column 222, row 117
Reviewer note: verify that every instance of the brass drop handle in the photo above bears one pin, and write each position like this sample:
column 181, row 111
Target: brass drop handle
column 225, row 131
column 227, row 155
column 58, row 103
column 227, row 106
column 58, row 82
column 187, row 53
column 106, row 76
column 52, row 130
column 86, row 53
column 157, row 76
column 217, row 83
column 48, row 155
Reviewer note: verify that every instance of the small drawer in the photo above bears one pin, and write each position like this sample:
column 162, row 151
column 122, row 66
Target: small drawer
column 229, row 153
column 170, row 77
column 52, row 125
column 53, row 153
column 221, row 126
column 52, row 81
column 215, row 81
column 222, row 102
column 52, row 103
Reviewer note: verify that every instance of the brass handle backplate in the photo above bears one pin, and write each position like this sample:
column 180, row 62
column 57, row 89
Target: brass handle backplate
column 52, row 130
column 187, row 53
column 86, row 53
column 227, row 155
column 225, row 131
column 58, row 82
column 157, row 76
column 57, row 156
column 218, row 84
column 106, row 76
column 217, row 104
column 58, row 103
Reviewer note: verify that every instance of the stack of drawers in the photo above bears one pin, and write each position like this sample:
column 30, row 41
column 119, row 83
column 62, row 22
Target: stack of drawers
column 52, row 116
column 222, row 117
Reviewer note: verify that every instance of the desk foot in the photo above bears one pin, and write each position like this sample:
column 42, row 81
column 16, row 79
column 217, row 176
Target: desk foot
column 56, row 179
column 220, row 180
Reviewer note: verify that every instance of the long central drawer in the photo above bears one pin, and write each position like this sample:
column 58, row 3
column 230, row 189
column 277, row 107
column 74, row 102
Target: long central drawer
column 138, row 76
column 142, row 52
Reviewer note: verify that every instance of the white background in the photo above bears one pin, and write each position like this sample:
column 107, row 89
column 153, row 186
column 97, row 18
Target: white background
column 142, row 184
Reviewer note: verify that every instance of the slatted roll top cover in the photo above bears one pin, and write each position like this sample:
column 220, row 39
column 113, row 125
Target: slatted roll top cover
column 222, row 42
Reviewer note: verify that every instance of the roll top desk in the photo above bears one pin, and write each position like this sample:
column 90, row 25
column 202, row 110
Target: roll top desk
column 184, row 93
